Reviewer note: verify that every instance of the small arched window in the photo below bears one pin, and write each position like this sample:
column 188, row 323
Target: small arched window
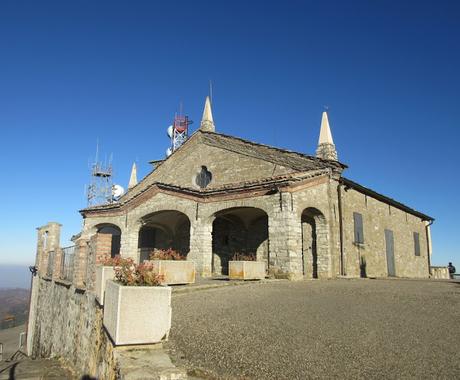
column 203, row 178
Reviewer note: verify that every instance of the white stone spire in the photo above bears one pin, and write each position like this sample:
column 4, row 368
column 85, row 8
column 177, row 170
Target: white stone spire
column 133, row 177
column 325, row 135
column 326, row 148
column 207, row 123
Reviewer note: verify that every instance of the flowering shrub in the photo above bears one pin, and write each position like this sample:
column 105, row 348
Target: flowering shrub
column 166, row 254
column 244, row 257
column 130, row 274
column 113, row 261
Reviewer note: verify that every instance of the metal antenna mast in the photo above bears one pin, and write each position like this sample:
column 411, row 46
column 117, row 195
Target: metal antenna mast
column 178, row 132
column 99, row 190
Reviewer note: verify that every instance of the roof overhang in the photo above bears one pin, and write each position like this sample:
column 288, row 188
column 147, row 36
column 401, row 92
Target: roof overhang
column 364, row 190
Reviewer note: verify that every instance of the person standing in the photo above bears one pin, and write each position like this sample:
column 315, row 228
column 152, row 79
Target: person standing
column 451, row 270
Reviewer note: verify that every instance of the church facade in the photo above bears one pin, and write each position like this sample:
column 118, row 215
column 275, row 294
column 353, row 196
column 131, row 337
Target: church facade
column 218, row 195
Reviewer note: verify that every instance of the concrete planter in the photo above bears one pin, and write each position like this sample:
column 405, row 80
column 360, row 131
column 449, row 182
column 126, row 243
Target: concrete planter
column 103, row 273
column 137, row 314
column 175, row 272
column 246, row 270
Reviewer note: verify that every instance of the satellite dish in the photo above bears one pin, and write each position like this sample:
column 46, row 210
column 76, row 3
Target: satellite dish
column 168, row 152
column 117, row 191
column 169, row 131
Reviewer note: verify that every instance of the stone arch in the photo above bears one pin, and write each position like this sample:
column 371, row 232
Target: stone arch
column 163, row 230
column 208, row 212
column 108, row 239
column 242, row 230
column 315, row 243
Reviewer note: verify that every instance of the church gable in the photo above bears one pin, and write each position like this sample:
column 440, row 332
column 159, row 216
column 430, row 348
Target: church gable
column 200, row 163
column 211, row 160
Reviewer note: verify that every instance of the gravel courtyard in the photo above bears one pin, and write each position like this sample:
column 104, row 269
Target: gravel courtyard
column 320, row 329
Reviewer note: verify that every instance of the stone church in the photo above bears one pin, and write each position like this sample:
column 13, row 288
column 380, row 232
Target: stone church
column 219, row 195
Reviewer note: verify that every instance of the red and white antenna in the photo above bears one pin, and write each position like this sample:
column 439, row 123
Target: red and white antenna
column 178, row 132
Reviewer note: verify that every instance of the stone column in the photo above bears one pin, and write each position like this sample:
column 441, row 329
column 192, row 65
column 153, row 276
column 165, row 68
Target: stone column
column 322, row 248
column 54, row 236
column 91, row 255
column 130, row 241
column 285, row 237
column 48, row 240
column 79, row 263
column 201, row 246
column 57, row 267
column 39, row 257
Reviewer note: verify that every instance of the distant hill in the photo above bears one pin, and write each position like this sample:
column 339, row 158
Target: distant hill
column 14, row 276
column 14, row 307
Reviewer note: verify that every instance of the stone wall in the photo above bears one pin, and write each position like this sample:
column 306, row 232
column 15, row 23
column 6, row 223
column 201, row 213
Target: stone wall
column 68, row 325
column 378, row 216
column 287, row 248
column 225, row 166
column 440, row 273
column 66, row 322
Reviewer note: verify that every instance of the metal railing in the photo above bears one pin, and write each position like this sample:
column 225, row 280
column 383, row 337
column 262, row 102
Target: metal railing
column 68, row 254
column 50, row 266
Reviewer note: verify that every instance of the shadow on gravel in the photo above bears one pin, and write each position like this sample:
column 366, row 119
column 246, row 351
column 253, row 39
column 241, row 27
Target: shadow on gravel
column 12, row 370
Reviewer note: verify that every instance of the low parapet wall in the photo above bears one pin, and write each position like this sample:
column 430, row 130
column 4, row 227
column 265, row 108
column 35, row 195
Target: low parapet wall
column 440, row 273
column 68, row 325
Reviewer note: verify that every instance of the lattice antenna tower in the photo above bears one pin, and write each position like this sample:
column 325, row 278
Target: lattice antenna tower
column 178, row 131
column 100, row 189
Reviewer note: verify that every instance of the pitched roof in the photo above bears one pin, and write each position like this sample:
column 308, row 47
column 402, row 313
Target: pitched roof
column 273, row 183
column 297, row 161
column 284, row 157
column 353, row 185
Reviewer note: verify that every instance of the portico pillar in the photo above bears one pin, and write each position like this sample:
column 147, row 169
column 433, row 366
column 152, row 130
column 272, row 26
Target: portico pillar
column 285, row 237
column 201, row 246
column 130, row 241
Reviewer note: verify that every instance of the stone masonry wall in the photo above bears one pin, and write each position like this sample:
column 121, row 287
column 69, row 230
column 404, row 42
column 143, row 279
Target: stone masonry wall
column 68, row 325
column 378, row 216
column 225, row 166
column 286, row 251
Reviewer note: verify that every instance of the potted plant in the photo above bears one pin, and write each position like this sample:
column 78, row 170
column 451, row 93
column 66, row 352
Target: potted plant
column 172, row 266
column 137, row 307
column 245, row 267
column 105, row 272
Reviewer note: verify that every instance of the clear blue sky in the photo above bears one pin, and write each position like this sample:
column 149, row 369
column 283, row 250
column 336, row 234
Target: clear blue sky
column 72, row 72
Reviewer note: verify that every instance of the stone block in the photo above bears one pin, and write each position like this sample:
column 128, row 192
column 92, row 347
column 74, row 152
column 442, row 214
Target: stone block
column 246, row 270
column 175, row 272
column 137, row 314
column 440, row 273
column 103, row 274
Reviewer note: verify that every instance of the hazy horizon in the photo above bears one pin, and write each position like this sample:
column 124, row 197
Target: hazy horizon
column 14, row 276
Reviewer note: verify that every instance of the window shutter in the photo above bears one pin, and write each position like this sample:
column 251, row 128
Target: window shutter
column 417, row 244
column 359, row 233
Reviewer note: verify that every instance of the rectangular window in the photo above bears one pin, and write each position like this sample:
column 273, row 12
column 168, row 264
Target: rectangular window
column 359, row 234
column 417, row 244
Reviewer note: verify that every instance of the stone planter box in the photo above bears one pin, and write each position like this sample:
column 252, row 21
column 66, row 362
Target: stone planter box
column 137, row 314
column 175, row 272
column 246, row 270
column 103, row 273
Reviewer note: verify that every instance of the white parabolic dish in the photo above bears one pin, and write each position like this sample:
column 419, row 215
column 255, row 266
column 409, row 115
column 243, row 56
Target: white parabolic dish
column 117, row 191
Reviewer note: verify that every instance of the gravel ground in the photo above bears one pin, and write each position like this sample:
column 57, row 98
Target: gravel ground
column 320, row 329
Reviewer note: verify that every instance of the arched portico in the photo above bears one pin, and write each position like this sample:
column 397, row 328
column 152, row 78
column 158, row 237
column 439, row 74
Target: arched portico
column 162, row 230
column 315, row 244
column 108, row 240
column 238, row 230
